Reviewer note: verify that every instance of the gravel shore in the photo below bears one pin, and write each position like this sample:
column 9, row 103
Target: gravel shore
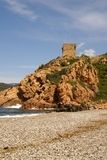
column 55, row 136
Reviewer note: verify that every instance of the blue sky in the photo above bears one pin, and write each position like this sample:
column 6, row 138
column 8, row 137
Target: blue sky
column 33, row 31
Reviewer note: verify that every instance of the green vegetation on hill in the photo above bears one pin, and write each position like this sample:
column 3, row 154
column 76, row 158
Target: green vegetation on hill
column 4, row 86
column 69, row 62
column 56, row 76
column 102, row 75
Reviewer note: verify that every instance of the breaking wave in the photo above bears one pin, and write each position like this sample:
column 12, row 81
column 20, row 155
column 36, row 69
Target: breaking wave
column 16, row 111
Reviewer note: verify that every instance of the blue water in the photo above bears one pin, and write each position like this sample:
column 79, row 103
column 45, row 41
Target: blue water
column 12, row 112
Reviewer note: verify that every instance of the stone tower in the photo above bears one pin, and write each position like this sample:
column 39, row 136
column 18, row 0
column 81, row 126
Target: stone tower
column 69, row 50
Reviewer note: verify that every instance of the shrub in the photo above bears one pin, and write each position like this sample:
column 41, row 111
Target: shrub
column 41, row 66
column 89, row 66
column 71, row 61
column 63, row 64
column 102, row 74
column 56, row 76
column 73, row 82
column 82, row 83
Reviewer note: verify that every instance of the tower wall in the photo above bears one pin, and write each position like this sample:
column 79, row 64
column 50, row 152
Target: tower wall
column 69, row 49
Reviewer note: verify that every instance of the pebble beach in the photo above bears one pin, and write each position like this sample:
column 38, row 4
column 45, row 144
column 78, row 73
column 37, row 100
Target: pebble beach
column 55, row 136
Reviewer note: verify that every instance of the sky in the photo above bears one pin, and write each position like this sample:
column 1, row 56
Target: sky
column 32, row 32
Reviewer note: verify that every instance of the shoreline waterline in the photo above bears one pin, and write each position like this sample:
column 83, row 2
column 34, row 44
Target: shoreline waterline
column 19, row 116
column 17, row 112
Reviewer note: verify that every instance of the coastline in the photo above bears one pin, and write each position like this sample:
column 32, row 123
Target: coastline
column 54, row 136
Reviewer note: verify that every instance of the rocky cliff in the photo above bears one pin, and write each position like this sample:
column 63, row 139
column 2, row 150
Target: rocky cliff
column 65, row 83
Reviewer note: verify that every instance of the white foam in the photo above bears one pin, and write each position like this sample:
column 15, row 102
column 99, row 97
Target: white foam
column 21, row 115
column 17, row 106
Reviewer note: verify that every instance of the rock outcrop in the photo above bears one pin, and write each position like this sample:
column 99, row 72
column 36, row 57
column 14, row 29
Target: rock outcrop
column 65, row 82
column 9, row 97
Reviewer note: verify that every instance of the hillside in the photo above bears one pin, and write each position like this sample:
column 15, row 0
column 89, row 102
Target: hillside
column 4, row 86
column 65, row 83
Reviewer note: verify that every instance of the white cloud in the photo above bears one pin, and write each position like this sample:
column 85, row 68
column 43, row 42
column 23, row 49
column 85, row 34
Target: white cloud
column 57, row 5
column 21, row 9
column 88, row 52
column 88, row 16
column 80, row 45
column 94, row 20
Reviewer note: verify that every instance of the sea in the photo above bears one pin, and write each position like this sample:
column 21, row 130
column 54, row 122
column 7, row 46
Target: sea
column 16, row 111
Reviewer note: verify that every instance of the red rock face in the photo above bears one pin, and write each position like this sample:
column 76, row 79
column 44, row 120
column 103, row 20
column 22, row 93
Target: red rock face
column 75, row 86
column 79, row 84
